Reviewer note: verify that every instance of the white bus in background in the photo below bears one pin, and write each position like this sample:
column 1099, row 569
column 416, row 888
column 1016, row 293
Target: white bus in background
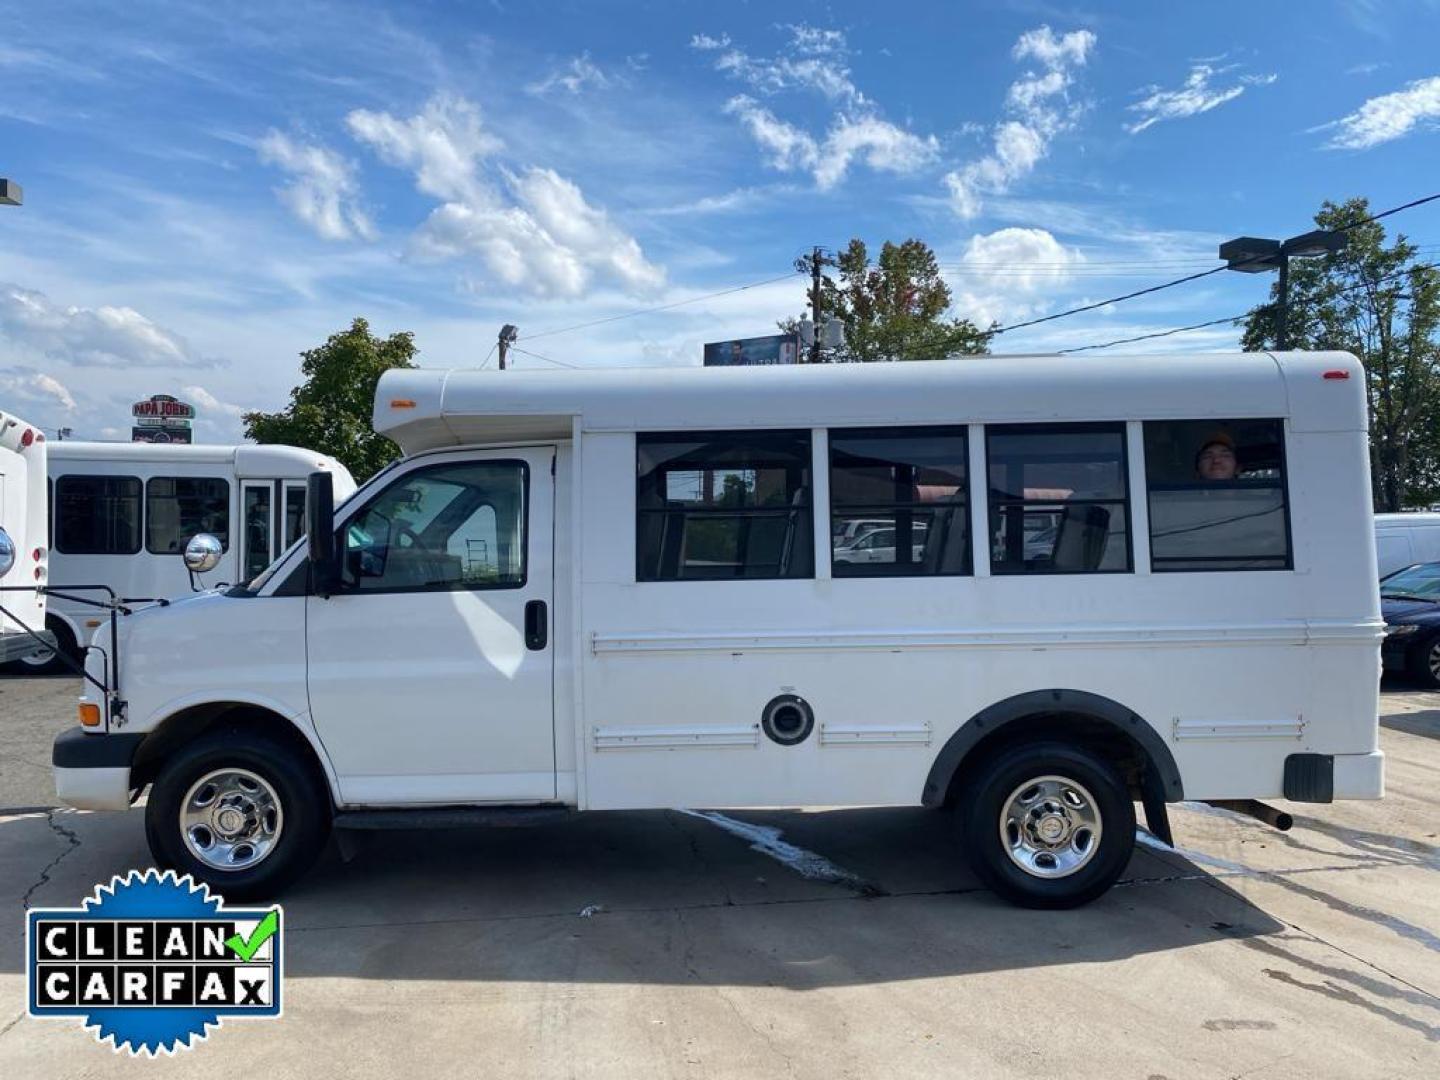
column 23, row 555
column 122, row 514
column 618, row 589
column 1403, row 540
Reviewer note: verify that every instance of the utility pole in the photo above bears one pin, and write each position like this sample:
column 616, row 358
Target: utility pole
column 813, row 263
column 508, row 333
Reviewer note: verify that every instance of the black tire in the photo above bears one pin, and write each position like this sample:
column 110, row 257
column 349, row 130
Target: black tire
column 987, row 794
column 1422, row 670
column 302, row 795
column 50, row 663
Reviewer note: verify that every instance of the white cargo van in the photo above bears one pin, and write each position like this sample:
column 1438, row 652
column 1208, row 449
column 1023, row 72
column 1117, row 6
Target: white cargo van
column 123, row 513
column 616, row 589
column 1403, row 540
column 24, row 558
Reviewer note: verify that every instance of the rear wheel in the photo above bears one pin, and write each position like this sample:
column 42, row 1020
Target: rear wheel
column 1048, row 824
column 47, row 661
column 240, row 811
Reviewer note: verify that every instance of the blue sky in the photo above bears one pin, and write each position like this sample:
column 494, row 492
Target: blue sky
column 210, row 188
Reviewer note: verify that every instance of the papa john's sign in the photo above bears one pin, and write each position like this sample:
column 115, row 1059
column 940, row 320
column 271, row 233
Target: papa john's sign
column 161, row 419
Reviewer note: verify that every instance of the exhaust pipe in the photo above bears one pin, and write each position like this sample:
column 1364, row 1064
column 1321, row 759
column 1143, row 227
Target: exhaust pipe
column 1276, row 819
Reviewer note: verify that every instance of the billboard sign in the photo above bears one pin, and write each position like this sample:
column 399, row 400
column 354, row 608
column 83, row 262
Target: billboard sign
column 161, row 418
column 161, row 435
column 749, row 352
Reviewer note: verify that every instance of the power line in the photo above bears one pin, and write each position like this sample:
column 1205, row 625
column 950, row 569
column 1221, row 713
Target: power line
column 537, row 356
column 653, row 310
column 1236, row 318
column 1202, row 274
column 489, row 354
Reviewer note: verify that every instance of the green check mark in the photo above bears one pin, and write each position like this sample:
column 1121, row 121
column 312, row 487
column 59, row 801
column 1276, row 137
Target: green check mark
column 246, row 948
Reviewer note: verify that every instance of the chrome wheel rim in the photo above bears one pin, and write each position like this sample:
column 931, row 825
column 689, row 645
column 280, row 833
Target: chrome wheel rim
column 1050, row 827
column 1434, row 661
column 231, row 819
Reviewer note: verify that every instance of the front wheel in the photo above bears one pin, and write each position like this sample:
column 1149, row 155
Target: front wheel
column 240, row 811
column 1048, row 824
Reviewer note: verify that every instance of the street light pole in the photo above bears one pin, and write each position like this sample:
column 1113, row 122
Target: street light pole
column 1282, row 306
column 1254, row 255
column 10, row 193
column 508, row 335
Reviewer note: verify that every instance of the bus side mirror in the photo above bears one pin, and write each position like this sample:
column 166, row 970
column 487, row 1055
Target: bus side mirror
column 320, row 530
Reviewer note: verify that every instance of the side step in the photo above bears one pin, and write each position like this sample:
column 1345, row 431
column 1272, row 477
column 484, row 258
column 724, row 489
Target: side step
column 451, row 817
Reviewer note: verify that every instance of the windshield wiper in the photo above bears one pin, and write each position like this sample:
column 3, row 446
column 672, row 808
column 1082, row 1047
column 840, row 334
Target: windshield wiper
column 1409, row 596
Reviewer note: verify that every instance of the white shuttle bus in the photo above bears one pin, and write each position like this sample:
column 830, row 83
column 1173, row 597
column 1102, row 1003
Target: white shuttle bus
column 1110, row 581
column 124, row 512
column 24, row 557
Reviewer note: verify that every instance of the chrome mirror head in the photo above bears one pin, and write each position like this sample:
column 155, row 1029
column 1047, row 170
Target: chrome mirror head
column 203, row 553
column 7, row 553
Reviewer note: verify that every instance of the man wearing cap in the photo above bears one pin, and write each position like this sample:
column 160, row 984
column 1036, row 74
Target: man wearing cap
column 1216, row 459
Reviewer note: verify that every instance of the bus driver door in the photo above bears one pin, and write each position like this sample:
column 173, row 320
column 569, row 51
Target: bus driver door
column 430, row 665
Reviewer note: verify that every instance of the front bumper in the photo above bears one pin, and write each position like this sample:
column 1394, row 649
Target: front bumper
column 14, row 646
column 92, row 769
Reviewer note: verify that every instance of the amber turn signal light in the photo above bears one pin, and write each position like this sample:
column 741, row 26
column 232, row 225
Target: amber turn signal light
column 89, row 714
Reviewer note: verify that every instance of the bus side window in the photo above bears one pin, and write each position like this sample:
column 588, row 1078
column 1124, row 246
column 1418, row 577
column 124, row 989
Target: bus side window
column 179, row 507
column 1217, row 495
column 723, row 504
column 97, row 515
column 898, row 502
column 1058, row 499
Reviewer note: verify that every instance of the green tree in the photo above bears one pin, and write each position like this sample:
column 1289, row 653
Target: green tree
column 1382, row 304
column 895, row 308
column 330, row 411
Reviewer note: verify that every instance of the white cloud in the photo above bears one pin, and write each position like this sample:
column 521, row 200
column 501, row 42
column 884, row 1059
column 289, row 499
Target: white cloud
column 706, row 43
column 816, row 61
column 205, row 401
column 29, row 385
column 879, row 144
column 1196, row 95
column 581, row 72
column 1039, row 109
column 442, row 144
column 1388, row 117
column 104, row 336
column 532, row 230
column 1028, row 266
column 323, row 193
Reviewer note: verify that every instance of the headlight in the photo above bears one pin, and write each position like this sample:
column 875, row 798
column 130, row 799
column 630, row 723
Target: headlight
column 1400, row 629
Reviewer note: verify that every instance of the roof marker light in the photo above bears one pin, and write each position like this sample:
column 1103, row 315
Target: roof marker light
column 402, row 403
column 1336, row 373
column 28, row 437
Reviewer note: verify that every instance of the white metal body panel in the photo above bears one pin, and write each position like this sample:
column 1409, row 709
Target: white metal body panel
column 22, row 515
column 149, row 574
column 660, row 684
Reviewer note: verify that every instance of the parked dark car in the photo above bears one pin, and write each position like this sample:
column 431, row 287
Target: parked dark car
column 1410, row 603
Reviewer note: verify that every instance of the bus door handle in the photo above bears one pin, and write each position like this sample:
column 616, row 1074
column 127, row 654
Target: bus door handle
column 536, row 625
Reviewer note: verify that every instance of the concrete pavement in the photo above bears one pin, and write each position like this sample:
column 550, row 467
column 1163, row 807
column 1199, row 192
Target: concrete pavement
column 1248, row 953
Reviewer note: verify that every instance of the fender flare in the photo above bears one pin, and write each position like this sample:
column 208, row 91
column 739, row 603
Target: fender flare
column 1022, row 706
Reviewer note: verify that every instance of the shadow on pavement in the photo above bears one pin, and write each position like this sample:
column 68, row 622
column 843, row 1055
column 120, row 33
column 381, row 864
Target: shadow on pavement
column 662, row 897
column 1425, row 724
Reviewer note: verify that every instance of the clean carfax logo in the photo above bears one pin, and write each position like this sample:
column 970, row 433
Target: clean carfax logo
column 152, row 960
